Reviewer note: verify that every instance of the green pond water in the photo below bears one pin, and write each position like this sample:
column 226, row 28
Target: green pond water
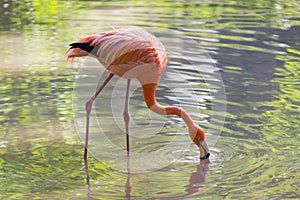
column 233, row 65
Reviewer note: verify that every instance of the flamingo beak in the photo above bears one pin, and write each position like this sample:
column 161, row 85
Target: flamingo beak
column 204, row 150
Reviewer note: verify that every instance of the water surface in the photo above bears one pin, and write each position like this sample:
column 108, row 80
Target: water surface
column 254, row 46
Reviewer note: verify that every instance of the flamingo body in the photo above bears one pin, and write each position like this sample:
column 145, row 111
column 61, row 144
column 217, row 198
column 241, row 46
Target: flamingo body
column 128, row 53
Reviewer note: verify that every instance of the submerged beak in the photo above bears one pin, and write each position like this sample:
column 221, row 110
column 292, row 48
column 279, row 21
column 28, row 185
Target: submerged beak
column 204, row 150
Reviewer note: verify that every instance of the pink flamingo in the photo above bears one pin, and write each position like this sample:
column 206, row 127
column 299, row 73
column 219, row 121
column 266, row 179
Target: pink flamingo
column 133, row 53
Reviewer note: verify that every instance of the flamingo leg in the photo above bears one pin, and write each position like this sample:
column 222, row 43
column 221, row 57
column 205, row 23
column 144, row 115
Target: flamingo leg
column 126, row 115
column 88, row 108
column 128, row 186
column 126, row 119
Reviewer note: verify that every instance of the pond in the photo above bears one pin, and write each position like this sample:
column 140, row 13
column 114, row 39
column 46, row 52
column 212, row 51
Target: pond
column 233, row 65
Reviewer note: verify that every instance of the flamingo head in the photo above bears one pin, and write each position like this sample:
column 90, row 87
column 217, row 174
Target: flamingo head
column 78, row 49
column 199, row 140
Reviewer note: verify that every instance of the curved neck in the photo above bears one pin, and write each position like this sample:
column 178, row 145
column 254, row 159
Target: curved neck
column 150, row 99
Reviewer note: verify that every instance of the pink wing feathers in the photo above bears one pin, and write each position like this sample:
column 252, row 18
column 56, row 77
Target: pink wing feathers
column 128, row 45
column 122, row 50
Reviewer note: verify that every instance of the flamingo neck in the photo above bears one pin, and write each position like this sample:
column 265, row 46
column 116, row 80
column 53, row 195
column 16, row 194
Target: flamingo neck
column 150, row 99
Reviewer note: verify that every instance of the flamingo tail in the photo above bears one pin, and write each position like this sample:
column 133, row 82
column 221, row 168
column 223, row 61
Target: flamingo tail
column 85, row 46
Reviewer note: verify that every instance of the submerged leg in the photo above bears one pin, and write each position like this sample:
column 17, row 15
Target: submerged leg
column 127, row 116
column 127, row 185
column 88, row 108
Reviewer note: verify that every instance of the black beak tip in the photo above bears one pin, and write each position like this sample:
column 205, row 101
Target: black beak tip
column 205, row 157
